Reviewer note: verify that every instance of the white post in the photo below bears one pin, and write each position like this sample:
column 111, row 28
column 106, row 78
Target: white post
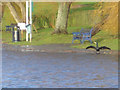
column 31, row 20
column 30, row 12
column 26, row 19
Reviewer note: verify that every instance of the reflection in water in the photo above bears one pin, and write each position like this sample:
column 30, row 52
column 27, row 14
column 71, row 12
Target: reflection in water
column 37, row 70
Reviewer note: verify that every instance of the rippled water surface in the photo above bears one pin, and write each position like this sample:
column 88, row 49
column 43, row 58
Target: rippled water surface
column 50, row 70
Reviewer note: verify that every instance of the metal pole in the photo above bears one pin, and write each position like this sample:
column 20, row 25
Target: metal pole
column 26, row 20
column 27, row 12
column 30, row 12
column 30, row 20
column 13, row 36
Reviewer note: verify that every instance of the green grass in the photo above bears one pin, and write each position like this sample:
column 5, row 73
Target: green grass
column 103, row 39
column 89, row 7
column 7, row 18
column 78, row 17
column 83, row 3
column 44, row 37
column 82, row 9
column 49, row 10
column 43, row 8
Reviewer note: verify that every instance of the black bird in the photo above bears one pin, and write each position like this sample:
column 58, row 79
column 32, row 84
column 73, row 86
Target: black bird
column 98, row 48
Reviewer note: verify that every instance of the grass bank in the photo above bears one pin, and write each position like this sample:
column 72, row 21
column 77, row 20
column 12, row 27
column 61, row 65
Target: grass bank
column 103, row 39
column 44, row 36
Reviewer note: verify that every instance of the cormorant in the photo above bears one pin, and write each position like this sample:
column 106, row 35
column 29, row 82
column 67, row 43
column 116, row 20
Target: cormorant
column 98, row 48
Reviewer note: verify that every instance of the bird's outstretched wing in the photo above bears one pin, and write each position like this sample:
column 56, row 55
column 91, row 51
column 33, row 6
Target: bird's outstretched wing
column 104, row 47
column 91, row 47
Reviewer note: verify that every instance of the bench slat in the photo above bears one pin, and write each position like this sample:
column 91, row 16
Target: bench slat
column 84, row 34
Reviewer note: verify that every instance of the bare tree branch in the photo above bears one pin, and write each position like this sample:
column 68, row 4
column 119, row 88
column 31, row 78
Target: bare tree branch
column 13, row 12
column 22, row 10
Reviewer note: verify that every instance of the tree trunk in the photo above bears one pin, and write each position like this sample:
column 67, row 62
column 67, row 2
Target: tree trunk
column 98, row 26
column 62, row 18
column 22, row 7
column 69, row 4
column 13, row 12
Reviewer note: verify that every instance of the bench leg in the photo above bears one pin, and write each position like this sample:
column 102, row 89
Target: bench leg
column 72, row 40
column 80, row 40
column 90, row 41
column 83, row 39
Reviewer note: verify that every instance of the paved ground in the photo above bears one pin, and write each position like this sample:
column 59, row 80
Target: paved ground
column 63, row 70
column 54, row 48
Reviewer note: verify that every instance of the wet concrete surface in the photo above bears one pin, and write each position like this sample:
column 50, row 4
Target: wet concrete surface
column 58, row 70
column 54, row 48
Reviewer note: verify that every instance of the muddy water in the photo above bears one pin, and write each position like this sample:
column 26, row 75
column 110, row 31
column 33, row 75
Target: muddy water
column 51, row 70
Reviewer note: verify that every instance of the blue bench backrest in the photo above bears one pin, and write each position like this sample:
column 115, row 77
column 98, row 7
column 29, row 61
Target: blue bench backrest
column 86, row 31
column 91, row 31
